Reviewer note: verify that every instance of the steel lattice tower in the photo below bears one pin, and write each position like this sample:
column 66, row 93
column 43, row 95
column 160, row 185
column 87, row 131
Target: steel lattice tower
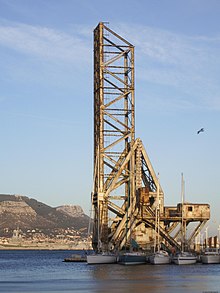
column 113, row 123
column 126, row 191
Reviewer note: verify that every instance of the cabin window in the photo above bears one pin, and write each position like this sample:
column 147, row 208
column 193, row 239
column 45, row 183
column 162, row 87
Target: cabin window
column 190, row 209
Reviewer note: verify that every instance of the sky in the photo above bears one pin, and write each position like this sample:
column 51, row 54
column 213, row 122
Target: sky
column 46, row 95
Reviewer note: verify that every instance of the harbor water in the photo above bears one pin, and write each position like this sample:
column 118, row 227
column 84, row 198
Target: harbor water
column 44, row 271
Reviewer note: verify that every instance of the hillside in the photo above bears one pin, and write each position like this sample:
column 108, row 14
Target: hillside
column 28, row 214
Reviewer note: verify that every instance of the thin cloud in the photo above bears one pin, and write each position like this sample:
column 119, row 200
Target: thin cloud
column 168, row 47
column 188, row 64
column 45, row 42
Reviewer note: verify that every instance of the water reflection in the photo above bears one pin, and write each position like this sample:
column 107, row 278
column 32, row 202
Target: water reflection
column 44, row 272
column 149, row 278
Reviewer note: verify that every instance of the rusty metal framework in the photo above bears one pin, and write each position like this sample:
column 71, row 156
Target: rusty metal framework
column 126, row 190
column 113, row 124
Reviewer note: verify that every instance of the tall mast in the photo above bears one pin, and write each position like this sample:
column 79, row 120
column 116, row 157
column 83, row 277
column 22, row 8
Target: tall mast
column 183, row 228
column 158, row 213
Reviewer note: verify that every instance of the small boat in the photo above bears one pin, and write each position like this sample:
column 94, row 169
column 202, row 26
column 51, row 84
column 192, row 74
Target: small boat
column 101, row 258
column 210, row 256
column 160, row 257
column 132, row 258
column 184, row 258
column 75, row 258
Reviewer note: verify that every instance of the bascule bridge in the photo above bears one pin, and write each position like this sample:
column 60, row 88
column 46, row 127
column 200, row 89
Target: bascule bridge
column 126, row 190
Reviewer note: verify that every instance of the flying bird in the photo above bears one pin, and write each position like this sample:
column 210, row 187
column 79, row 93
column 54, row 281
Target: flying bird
column 200, row 130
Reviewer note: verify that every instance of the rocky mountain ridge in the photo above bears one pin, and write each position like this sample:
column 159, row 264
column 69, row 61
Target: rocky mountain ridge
column 17, row 211
column 71, row 210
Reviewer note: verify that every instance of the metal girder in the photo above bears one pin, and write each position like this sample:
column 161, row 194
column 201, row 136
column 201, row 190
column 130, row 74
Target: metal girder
column 164, row 234
column 196, row 231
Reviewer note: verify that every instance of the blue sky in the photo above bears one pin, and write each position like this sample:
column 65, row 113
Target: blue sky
column 46, row 95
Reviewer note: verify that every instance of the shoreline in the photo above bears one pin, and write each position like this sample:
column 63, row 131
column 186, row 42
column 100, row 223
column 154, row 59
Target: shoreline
column 44, row 247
